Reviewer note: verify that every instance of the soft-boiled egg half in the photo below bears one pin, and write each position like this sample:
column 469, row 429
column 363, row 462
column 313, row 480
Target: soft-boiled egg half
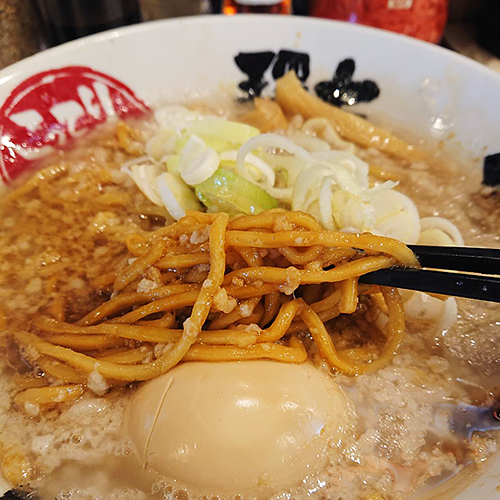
column 249, row 427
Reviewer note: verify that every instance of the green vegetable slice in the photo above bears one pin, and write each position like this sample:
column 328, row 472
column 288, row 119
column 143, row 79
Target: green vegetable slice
column 172, row 164
column 227, row 192
column 222, row 130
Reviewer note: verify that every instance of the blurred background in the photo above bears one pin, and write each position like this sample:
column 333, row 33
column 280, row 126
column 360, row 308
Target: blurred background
column 471, row 27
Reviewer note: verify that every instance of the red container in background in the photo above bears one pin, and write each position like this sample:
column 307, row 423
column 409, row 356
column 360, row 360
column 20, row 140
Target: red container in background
column 231, row 7
column 424, row 19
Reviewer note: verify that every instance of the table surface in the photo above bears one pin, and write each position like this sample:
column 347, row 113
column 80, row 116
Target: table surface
column 461, row 37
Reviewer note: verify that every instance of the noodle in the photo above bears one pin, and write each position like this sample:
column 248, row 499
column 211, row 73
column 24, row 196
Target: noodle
column 294, row 353
column 83, row 337
column 161, row 305
column 127, row 300
column 296, row 100
column 383, row 175
column 255, row 317
column 349, row 296
column 129, row 356
column 267, row 116
column 59, row 370
column 48, row 395
column 136, row 244
column 140, row 265
column 347, row 271
column 272, row 303
column 272, row 218
column 166, row 321
column 282, row 322
column 297, row 257
column 251, row 256
column 85, row 342
column 181, row 261
column 365, row 241
column 51, row 172
column 138, row 335
column 244, row 310
column 29, row 382
column 129, row 139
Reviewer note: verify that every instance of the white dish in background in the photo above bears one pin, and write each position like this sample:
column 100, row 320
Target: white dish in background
column 425, row 90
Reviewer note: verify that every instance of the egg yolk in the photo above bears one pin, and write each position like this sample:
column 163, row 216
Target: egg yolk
column 253, row 427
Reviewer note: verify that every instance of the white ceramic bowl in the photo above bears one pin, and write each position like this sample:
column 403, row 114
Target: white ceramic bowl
column 425, row 90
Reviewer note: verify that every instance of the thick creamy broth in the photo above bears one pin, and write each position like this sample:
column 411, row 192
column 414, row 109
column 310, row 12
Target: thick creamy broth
column 64, row 236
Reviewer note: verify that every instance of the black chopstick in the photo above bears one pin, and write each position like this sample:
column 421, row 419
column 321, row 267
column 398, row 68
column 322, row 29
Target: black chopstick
column 473, row 260
column 455, row 284
column 483, row 285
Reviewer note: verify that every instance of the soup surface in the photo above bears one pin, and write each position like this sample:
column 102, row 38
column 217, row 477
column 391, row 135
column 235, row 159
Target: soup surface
column 64, row 232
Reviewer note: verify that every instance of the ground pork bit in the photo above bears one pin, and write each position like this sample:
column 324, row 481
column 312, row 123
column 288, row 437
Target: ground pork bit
column 223, row 302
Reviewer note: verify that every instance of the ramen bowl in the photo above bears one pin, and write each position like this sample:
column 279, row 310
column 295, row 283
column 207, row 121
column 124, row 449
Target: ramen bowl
column 446, row 101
